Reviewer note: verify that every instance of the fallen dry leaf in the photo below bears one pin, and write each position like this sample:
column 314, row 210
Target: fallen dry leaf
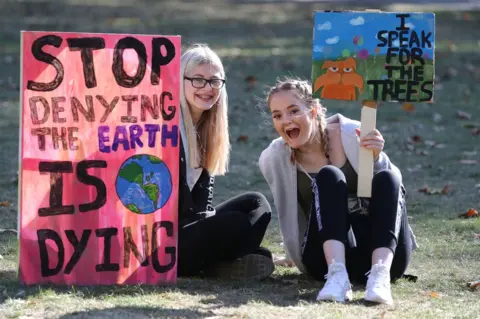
column 251, row 82
column 408, row 107
column 435, row 191
column 474, row 284
column 242, row 138
column 426, row 190
column 416, row 139
column 250, row 79
column 4, row 204
column 468, row 162
column 476, row 236
column 476, row 131
column 463, row 115
column 434, row 294
column 471, row 213
column 445, row 190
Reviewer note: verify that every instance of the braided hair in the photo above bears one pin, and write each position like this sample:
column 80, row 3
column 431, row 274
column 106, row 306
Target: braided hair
column 304, row 91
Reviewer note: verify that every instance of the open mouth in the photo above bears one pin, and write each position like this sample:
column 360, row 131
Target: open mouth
column 293, row 133
column 204, row 97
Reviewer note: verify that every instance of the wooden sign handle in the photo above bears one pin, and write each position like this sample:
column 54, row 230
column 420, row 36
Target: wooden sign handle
column 365, row 161
column 368, row 120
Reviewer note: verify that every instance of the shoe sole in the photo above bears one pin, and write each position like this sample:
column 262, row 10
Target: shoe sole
column 249, row 267
column 348, row 297
column 379, row 301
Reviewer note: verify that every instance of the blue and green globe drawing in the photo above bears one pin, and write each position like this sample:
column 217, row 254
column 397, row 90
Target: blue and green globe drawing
column 144, row 184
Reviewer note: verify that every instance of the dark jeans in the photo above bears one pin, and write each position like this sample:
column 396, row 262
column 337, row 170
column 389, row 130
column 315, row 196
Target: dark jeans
column 236, row 229
column 385, row 225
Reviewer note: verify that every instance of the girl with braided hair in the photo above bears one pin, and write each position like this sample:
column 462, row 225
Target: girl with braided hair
column 328, row 232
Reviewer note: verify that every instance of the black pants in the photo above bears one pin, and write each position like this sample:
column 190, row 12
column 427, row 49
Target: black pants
column 237, row 229
column 376, row 229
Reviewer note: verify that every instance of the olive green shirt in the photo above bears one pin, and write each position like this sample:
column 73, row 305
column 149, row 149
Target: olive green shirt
column 305, row 194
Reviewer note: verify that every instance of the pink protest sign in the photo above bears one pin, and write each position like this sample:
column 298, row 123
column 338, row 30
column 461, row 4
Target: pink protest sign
column 99, row 158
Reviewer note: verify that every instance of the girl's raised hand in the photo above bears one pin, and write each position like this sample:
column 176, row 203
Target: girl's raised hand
column 373, row 140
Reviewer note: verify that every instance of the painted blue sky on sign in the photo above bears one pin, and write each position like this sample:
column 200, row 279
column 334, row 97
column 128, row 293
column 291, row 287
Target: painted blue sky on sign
column 338, row 33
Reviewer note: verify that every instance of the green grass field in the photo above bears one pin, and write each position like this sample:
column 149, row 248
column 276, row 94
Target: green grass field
column 436, row 145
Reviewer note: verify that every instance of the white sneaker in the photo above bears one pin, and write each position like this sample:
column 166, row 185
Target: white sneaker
column 337, row 287
column 378, row 285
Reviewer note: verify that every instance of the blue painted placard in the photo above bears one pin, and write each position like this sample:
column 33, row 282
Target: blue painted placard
column 379, row 56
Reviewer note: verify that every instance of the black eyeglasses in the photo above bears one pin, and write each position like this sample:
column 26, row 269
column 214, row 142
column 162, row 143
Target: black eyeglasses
column 200, row 83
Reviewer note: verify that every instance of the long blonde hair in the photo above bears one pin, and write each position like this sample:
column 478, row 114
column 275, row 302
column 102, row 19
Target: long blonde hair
column 209, row 143
column 303, row 89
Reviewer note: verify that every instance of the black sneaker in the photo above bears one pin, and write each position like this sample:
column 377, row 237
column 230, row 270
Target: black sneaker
column 248, row 267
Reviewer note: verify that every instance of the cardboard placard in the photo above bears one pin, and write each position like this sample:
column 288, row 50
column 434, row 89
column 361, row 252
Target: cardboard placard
column 379, row 56
column 99, row 158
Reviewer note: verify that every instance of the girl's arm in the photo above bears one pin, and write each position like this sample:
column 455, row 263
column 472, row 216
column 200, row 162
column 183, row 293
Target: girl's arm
column 202, row 193
column 194, row 204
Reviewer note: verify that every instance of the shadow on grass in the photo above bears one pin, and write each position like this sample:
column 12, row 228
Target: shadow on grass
column 289, row 290
column 139, row 312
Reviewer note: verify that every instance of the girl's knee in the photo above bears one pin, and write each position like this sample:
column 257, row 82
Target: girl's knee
column 386, row 179
column 329, row 174
column 258, row 198
column 259, row 204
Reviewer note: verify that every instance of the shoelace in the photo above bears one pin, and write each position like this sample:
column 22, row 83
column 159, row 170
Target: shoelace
column 334, row 278
column 380, row 275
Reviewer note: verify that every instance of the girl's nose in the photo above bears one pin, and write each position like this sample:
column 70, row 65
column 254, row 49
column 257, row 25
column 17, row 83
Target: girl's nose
column 287, row 119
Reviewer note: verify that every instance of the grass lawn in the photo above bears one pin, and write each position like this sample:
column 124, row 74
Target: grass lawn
column 437, row 146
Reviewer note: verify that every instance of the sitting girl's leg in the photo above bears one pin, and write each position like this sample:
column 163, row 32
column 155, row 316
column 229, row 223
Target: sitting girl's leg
column 257, row 210
column 209, row 241
column 241, row 257
column 324, row 246
column 391, row 243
